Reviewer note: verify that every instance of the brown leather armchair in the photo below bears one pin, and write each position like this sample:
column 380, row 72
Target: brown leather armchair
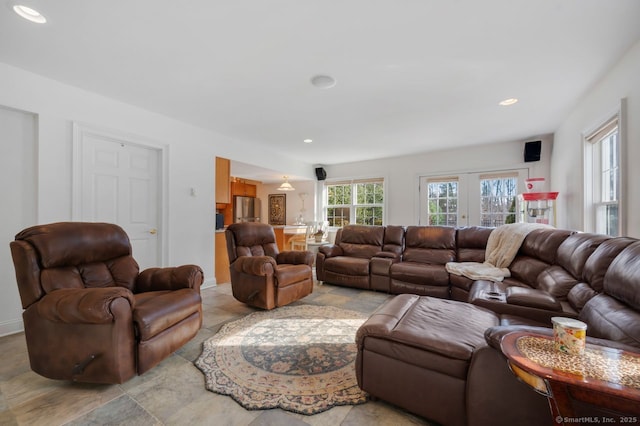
column 260, row 275
column 89, row 315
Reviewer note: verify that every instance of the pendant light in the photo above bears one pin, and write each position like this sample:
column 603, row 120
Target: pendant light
column 286, row 186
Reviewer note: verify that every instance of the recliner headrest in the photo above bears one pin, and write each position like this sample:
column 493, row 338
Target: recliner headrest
column 75, row 243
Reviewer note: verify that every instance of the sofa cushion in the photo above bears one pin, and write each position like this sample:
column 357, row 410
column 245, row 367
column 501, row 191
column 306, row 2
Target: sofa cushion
column 556, row 281
column 156, row 311
column 580, row 294
column 346, row 265
column 393, row 239
column 288, row 274
column 598, row 263
column 429, row 324
column 543, row 244
column 471, row 243
column 608, row 318
column 576, row 249
column 622, row 280
column 526, row 270
column 420, row 273
column 430, row 244
column 360, row 240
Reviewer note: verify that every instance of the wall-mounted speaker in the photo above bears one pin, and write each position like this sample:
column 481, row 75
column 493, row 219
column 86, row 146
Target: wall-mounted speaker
column 532, row 151
column 321, row 173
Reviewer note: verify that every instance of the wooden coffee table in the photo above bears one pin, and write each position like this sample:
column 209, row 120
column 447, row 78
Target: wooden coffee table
column 605, row 377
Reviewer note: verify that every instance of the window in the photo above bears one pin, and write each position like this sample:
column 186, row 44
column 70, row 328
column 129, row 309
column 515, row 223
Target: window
column 486, row 198
column 442, row 197
column 603, row 174
column 498, row 199
column 359, row 202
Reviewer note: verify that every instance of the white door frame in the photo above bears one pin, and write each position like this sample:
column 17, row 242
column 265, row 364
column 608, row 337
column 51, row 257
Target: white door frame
column 79, row 132
column 469, row 204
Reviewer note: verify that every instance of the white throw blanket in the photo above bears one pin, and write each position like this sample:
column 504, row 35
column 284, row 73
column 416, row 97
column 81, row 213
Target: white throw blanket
column 502, row 246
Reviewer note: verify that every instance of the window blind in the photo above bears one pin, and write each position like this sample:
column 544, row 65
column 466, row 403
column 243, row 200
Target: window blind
column 603, row 131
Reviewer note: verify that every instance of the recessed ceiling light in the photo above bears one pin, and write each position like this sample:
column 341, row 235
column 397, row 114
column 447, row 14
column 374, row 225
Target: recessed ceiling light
column 323, row 81
column 508, row 102
column 307, row 140
column 29, row 14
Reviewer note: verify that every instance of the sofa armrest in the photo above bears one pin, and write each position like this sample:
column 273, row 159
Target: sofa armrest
column 387, row 255
column 171, row 278
column 493, row 296
column 381, row 265
column 494, row 335
column 255, row 265
column 385, row 318
column 532, row 298
column 331, row 250
column 83, row 305
column 294, row 257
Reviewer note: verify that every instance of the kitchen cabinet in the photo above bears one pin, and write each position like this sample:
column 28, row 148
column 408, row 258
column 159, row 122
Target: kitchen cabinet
column 221, row 259
column 223, row 178
column 244, row 189
column 279, row 231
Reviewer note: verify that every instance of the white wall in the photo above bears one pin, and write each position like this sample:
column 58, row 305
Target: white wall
column 622, row 81
column 18, row 207
column 402, row 174
column 191, row 150
column 294, row 202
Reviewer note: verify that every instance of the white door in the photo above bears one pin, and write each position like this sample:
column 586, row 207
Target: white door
column 487, row 198
column 120, row 184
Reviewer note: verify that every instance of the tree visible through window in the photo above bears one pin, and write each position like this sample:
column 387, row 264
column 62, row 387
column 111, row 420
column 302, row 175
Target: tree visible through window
column 498, row 199
column 443, row 202
column 360, row 202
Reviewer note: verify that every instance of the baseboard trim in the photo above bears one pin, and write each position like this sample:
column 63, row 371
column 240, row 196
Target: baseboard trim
column 11, row 327
column 211, row 282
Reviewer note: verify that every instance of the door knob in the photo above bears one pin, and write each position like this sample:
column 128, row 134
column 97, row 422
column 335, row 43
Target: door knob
column 153, row 231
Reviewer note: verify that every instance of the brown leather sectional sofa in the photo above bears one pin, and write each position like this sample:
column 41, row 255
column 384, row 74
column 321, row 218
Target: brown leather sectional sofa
column 434, row 349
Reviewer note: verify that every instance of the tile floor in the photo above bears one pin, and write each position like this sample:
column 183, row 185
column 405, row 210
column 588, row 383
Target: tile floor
column 173, row 392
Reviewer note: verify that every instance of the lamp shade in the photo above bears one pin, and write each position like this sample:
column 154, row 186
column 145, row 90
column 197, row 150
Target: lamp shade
column 286, row 186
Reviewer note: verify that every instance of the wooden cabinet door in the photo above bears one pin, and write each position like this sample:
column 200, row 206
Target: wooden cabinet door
column 243, row 189
column 279, row 238
column 221, row 259
column 237, row 188
column 223, row 190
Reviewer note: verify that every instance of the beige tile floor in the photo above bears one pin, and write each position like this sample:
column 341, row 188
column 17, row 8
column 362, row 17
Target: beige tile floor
column 173, row 393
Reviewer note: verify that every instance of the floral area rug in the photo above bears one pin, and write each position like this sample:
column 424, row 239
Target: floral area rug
column 297, row 358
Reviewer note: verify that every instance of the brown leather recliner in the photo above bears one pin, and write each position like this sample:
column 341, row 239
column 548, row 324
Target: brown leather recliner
column 260, row 275
column 89, row 315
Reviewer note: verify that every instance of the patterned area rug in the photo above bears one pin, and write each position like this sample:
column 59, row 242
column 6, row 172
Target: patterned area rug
column 297, row 358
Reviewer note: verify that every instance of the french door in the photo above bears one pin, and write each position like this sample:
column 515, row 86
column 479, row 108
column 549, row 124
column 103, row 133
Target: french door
column 486, row 198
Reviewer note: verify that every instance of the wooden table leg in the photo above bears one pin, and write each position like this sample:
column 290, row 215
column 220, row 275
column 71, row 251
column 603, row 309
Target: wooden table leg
column 560, row 402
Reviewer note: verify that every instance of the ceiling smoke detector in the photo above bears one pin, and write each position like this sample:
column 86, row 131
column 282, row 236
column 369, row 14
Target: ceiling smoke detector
column 323, row 81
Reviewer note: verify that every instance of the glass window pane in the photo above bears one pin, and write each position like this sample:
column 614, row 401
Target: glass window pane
column 443, row 203
column 497, row 200
column 357, row 202
column 606, row 184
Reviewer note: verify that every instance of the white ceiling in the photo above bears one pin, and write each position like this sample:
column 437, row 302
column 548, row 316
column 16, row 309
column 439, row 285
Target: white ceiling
column 412, row 75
